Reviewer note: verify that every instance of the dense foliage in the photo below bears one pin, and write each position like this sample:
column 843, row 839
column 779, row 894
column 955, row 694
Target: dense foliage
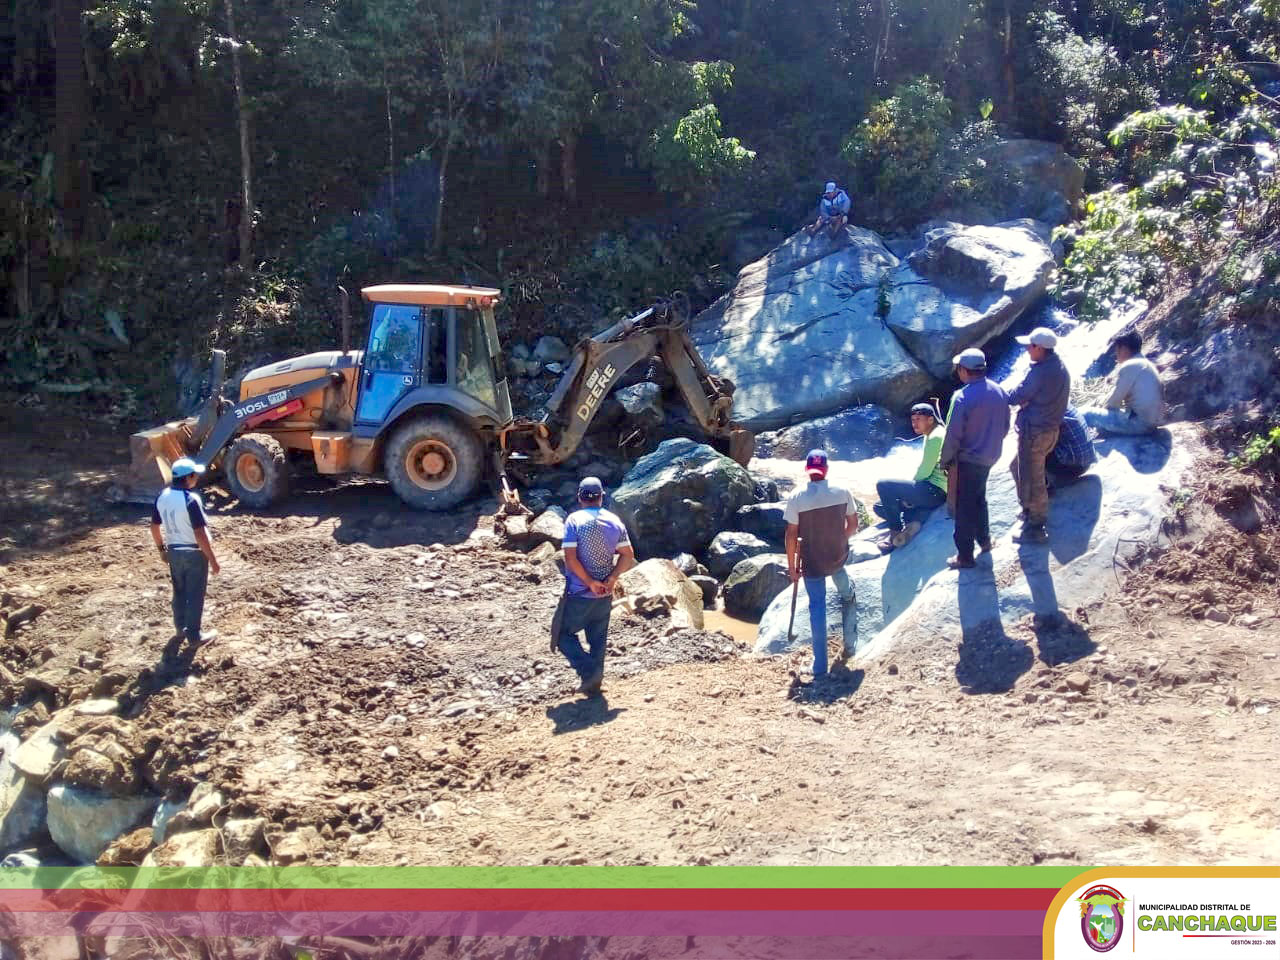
column 217, row 167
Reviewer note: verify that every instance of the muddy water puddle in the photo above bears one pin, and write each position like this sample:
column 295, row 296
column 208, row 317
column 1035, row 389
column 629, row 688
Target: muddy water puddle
column 741, row 630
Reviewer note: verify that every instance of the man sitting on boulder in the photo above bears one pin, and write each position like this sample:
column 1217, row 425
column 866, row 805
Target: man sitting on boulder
column 820, row 520
column 1136, row 405
column 833, row 210
column 1072, row 456
column 906, row 503
column 597, row 552
column 975, row 433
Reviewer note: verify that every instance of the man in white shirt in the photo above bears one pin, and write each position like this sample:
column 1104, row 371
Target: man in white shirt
column 180, row 531
column 1136, row 405
column 820, row 520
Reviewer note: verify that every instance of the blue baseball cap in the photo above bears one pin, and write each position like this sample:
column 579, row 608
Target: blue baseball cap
column 816, row 462
column 590, row 488
column 184, row 467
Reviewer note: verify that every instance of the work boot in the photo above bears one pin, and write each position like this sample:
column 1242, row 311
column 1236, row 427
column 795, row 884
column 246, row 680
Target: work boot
column 985, row 545
column 1032, row 533
column 591, row 685
column 906, row 534
column 960, row 563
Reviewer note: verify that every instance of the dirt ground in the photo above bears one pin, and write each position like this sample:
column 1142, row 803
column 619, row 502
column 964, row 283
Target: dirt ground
column 385, row 676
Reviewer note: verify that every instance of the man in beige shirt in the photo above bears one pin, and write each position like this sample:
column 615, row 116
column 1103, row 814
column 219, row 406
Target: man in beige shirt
column 1136, row 405
column 820, row 520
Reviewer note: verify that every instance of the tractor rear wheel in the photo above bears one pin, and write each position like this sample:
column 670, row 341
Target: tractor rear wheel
column 434, row 462
column 257, row 470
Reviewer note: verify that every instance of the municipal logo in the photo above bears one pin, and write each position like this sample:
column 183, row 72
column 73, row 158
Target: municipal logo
column 1101, row 917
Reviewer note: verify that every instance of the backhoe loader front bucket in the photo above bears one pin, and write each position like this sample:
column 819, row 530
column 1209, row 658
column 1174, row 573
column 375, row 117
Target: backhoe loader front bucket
column 150, row 454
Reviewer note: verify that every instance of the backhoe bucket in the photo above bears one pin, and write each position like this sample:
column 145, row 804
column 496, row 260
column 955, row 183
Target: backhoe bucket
column 150, row 453
column 742, row 446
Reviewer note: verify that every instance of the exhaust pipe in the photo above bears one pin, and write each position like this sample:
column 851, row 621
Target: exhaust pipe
column 209, row 414
column 345, row 309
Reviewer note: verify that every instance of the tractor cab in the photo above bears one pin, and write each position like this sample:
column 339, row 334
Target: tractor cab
column 435, row 345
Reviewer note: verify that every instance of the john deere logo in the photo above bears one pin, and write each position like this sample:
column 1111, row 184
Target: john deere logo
column 1101, row 917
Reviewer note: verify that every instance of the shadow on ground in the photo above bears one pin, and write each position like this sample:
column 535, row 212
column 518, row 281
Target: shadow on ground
column 574, row 715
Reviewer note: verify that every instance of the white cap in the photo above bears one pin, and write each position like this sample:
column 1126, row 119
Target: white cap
column 1040, row 337
column 831, row 187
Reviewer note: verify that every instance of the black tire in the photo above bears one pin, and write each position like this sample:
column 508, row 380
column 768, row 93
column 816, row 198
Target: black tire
column 443, row 482
column 257, row 470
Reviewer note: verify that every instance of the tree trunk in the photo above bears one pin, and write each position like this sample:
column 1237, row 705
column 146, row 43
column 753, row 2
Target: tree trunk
column 437, row 236
column 391, row 169
column 1009, row 86
column 569, row 165
column 542, row 169
column 71, row 174
column 246, row 166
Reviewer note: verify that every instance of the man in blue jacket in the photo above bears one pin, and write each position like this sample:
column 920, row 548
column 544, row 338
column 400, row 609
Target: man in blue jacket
column 833, row 210
column 975, row 433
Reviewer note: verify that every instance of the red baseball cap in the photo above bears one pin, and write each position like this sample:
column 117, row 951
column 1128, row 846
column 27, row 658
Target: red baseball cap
column 816, row 463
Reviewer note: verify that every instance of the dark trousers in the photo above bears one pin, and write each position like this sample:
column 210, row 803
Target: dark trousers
column 190, row 573
column 1059, row 474
column 590, row 616
column 972, row 525
column 902, row 501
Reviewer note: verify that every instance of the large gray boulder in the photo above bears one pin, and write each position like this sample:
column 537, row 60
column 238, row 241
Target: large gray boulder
column 801, row 334
column 754, row 583
column 642, row 403
column 730, row 548
column 680, row 496
column 854, row 434
column 1049, row 181
column 84, row 822
column 909, row 602
column 22, row 800
column 965, row 286
column 764, row 520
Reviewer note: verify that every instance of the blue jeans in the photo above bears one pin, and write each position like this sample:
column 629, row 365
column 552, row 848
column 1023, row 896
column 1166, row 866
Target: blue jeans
column 1123, row 423
column 816, row 588
column 902, row 501
column 189, row 571
column 588, row 615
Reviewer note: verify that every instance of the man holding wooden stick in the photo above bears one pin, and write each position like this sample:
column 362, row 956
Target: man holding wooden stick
column 820, row 520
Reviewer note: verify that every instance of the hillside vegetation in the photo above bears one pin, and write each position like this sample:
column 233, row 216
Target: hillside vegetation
column 582, row 155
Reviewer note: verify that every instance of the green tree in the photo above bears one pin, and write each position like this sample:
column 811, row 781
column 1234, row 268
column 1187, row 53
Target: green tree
column 897, row 150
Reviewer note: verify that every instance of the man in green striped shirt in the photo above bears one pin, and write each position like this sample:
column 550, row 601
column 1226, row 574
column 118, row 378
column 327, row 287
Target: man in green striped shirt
column 906, row 503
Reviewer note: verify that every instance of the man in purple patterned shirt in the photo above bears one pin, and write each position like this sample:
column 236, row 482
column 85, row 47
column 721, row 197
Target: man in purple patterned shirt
column 597, row 551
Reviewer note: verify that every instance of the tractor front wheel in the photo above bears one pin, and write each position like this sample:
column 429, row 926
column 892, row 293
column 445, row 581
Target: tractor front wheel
column 434, row 462
column 257, row 470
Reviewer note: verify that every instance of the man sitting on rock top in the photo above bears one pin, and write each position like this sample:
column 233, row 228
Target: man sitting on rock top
column 820, row 520
column 833, row 210
column 1136, row 405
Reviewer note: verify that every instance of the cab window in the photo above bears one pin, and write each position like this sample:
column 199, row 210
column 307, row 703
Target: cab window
column 394, row 343
column 474, row 372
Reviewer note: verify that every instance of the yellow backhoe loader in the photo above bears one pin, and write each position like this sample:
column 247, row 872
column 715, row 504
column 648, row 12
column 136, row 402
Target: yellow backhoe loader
column 425, row 403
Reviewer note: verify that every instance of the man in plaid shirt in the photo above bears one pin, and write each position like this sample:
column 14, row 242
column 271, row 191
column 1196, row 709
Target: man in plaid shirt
column 1072, row 455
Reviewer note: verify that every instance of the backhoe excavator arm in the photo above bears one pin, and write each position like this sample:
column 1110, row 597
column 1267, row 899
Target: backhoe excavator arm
column 601, row 361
